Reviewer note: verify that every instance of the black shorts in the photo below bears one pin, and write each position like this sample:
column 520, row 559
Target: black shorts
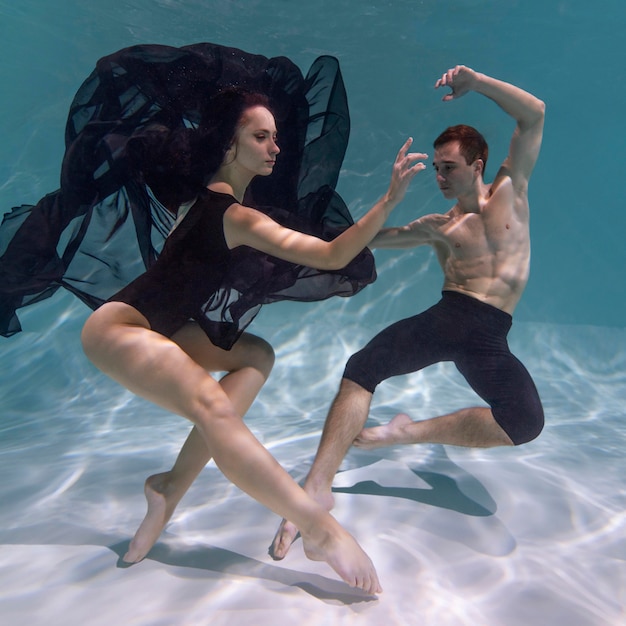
column 471, row 334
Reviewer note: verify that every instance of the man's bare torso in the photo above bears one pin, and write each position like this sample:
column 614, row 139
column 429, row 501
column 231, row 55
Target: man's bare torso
column 485, row 254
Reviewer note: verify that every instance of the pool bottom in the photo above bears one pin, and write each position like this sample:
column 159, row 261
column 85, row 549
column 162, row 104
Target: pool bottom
column 459, row 536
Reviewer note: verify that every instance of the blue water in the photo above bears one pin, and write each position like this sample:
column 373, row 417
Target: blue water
column 498, row 537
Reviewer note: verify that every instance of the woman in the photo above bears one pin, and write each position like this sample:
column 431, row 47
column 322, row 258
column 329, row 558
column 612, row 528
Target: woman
column 108, row 221
column 142, row 339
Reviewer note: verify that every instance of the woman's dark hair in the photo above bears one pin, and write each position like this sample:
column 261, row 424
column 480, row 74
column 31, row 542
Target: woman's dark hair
column 177, row 163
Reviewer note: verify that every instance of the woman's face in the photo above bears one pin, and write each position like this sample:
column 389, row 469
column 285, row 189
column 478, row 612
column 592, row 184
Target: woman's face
column 254, row 149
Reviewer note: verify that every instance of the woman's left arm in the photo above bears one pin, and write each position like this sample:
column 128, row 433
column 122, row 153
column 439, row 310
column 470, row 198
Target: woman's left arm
column 246, row 226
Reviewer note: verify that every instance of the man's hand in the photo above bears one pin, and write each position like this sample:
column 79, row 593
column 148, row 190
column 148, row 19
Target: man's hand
column 460, row 79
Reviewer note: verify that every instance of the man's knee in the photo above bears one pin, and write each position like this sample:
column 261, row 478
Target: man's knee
column 359, row 370
column 524, row 428
column 530, row 433
column 348, row 387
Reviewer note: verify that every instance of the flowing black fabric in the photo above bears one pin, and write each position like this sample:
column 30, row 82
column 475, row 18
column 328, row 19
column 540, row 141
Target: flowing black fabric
column 104, row 227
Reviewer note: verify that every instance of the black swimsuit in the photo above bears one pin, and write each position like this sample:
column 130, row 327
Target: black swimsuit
column 189, row 271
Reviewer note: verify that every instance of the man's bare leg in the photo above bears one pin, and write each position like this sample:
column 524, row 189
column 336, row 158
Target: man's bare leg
column 474, row 427
column 251, row 361
column 345, row 419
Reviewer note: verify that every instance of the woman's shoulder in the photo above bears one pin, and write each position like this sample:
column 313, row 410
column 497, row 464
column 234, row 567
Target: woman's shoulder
column 216, row 198
column 214, row 194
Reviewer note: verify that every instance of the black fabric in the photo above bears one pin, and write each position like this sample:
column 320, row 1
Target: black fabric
column 473, row 335
column 103, row 227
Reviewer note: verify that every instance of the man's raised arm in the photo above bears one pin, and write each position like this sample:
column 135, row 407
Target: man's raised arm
column 527, row 110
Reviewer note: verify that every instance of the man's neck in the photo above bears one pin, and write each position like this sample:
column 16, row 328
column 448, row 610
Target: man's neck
column 474, row 200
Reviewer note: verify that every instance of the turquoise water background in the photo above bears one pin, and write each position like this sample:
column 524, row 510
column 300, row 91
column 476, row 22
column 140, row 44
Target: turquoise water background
column 570, row 53
column 74, row 447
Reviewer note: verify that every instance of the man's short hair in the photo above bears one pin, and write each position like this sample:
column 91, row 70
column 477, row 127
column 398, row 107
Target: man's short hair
column 472, row 144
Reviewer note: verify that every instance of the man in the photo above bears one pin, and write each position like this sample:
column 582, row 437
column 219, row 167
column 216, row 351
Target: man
column 483, row 246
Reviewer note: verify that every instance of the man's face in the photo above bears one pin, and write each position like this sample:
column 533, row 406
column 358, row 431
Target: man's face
column 454, row 176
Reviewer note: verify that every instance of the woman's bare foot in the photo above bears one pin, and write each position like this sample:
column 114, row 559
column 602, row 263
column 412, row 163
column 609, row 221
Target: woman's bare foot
column 287, row 532
column 341, row 551
column 160, row 509
column 386, row 435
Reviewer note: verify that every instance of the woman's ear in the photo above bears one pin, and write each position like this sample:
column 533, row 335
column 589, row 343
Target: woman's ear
column 230, row 154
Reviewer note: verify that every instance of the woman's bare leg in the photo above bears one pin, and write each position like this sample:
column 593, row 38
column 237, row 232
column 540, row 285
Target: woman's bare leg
column 249, row 364
column 346, row 417
column 118, row 341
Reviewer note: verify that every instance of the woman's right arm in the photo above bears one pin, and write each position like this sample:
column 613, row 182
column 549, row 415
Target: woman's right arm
column 246, row 226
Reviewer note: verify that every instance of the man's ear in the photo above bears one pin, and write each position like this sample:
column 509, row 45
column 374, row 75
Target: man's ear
column 479, row 167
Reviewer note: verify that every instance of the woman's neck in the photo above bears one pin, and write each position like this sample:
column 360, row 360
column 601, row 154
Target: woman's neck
column 226, row 180
column 223, row 187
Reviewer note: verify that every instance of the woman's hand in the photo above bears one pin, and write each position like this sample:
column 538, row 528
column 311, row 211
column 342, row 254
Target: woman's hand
column 405, row 167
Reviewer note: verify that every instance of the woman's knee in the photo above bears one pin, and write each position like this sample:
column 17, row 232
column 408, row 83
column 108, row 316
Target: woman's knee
column 209, row 405
column 258, row 353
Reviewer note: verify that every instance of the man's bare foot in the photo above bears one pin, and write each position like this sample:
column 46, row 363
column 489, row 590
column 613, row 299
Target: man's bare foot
column 341, row 551
column 287, row 532
column 386, row 435
column 158, row 514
